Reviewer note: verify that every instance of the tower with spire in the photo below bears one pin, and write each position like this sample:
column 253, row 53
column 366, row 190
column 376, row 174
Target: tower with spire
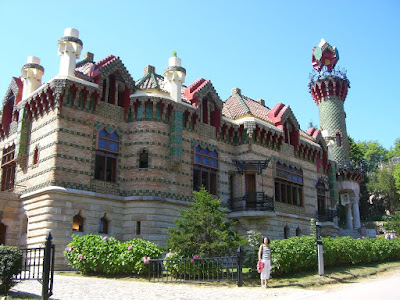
column 328, row 87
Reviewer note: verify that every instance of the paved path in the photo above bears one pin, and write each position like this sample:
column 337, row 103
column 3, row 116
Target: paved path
column 76, row 287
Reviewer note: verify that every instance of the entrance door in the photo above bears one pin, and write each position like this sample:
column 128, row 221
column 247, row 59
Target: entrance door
column 251, row 190
column 2, row 234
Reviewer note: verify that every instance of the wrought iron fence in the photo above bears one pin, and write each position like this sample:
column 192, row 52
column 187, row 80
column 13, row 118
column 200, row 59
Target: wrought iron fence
column 252, row 201
column 38, row 264
column 326, row 215
column 227, row 268
column 352, row 165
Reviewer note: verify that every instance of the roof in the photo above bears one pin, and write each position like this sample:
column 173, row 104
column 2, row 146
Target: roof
column 238, row 105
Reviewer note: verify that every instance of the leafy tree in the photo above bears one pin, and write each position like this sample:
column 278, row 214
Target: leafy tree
column 356, row 153
column 395, row 151
column 202, row 229
column 373, row 154
column 382, row 185
column 394, row 222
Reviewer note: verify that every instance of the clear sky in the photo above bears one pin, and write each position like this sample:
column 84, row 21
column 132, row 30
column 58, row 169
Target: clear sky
column 262, row 47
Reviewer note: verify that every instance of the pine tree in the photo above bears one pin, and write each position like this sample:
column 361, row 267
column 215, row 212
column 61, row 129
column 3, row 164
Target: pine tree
column 203, row 229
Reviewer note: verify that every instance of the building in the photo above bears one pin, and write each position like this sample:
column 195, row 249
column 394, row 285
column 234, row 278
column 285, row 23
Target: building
column 93, row 151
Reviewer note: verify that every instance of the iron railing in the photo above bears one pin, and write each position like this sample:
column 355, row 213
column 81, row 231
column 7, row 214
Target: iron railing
column 227, row 268
column 256, row 201
column 352, row 165
column 326, row 215
column 38, row 264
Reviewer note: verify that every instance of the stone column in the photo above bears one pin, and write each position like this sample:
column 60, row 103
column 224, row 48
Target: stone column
column 349, row 221
column 356, row 216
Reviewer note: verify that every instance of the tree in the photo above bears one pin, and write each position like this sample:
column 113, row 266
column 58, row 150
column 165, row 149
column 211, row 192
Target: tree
column 382, row 185
column 202, row 229
column 373, row 154
column 393, row 223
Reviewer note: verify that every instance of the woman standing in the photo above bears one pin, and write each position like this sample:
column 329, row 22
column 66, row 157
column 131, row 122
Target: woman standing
column 264, row 255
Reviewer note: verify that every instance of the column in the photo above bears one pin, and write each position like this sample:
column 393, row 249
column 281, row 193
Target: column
column 349, row 221
column 356, row 216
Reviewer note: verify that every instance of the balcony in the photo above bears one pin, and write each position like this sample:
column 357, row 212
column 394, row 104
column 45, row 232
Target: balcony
column 326, row 215
column 255, row 201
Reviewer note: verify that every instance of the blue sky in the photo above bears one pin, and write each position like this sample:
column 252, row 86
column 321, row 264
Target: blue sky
column 262, row 47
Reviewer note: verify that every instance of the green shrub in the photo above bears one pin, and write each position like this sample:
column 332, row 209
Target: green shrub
column 94, row 254
column 298, row 254
column 10, row 264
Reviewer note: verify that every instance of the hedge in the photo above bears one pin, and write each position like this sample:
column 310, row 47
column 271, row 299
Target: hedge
column 298, row 254
column 94, row 254
column 10, row 264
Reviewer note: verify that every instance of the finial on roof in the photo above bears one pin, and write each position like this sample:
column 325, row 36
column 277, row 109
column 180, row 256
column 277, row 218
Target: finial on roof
column 149, row 69
column 174, row 54
column 324, row 55
column 236, row 91
column 88, row 56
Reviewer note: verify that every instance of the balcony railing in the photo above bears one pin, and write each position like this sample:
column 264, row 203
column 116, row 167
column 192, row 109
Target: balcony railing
column 351, row 165
column 253, row 201
column 326, row 215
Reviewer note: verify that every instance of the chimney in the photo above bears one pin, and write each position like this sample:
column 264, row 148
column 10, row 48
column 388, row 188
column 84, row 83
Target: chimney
column 69, row 48
column 261, row 101
column 149, row 69
column 175, row 74
column 236, row 91
column 31, row 75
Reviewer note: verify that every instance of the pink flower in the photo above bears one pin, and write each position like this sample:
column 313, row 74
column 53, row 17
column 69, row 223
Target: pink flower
column 130, row 247
column 105, row 238
column 194, row 256
column 168, row 254
column 146, row 259
column 80, row 256
column 68, row 249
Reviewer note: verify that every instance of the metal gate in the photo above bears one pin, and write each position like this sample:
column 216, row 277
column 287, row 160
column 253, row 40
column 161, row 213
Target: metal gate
column 38, row 264
column 227, row 268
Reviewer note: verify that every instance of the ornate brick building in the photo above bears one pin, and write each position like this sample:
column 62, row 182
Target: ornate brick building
column 93, row 151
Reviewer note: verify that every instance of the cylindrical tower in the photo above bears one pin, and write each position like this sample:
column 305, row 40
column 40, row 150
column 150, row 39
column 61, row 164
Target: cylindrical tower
column 329, row 90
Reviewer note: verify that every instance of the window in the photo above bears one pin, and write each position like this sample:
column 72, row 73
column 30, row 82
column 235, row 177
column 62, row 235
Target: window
column 36, row 156
column 321, row 198
column 286, row 232
column 106, row 156
column 3, row 229
column 138, row 228
column 205, row 170
column 8, row 166
column 143, row 159
column 288, row 184
column 338, row 140
column 77, row 223
column 103, row 226
column 298, row 231
column 24, row 227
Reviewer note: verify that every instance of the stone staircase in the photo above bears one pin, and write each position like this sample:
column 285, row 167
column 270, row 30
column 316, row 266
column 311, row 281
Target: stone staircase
column 354, row 233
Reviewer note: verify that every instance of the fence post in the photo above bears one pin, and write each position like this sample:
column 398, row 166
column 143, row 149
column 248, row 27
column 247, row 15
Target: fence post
column 46, row 268
column 239, row 267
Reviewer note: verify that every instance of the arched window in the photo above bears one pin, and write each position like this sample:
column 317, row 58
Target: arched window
column 106, row 156
column 143, row 159
column 286, row 232
column 3, row 229
column 288, row 184
column 103, row 226
column 77, row 223
column 205, row 169
column 338, row 140
column 298, row 231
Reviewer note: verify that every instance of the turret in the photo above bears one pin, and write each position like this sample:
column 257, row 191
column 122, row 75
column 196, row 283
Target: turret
column 69, row 48
column 31, row 75
column 175, row 74
column 328, row 88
